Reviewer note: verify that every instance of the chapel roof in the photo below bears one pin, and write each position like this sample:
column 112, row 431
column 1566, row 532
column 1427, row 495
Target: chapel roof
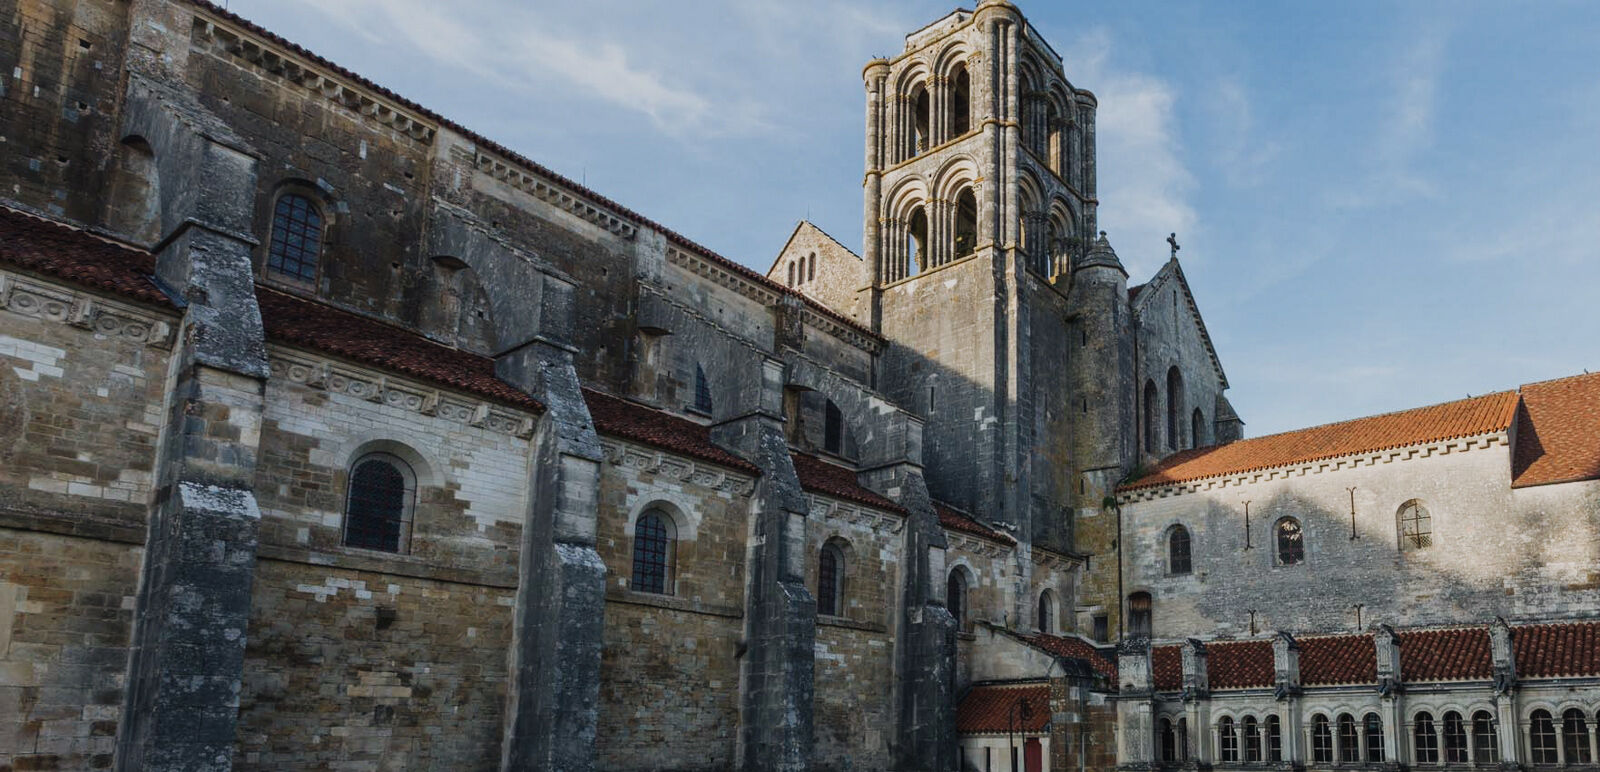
column 990, row 708
column 1558, row 432
column 1434, row 423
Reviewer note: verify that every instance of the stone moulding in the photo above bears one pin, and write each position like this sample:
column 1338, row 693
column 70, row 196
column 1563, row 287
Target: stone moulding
column 373, row 386
column 56, row 303
column 829, row 508
column 294, row 68
column 975, row 545
column 687, row 471
column 511, row 174
column 1425, row 450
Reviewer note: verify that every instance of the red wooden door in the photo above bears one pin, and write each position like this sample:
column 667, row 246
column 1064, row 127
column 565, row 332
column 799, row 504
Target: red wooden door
column 1033, row 755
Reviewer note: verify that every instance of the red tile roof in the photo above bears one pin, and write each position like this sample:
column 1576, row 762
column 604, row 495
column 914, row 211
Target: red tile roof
column 297, row 321
column 517, row 158
column 831, row 479
column 1462, row 418
column 956, row 520
column 1239, row 664
column 1446, row 655
column 991, row 708
column 1071, row 646
column 53, row 249
column 1166, row 664
column 632, row 421
column 1557, row 650
column 1338, row 659
column 1557, row 426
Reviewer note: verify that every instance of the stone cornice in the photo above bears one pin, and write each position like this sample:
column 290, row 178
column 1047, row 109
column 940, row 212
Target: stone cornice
column 976, row 545
column 53, row 302
column 516, row 176
column 294, row 67
column 701, row 474
column 830, row 508
column 337, row 376
column 1353, row 461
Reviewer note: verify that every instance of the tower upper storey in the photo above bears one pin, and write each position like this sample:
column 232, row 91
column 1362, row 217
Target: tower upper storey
column 976, row 141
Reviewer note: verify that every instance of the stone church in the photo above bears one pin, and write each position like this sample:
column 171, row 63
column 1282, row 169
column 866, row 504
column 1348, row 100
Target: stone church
column 337, row 436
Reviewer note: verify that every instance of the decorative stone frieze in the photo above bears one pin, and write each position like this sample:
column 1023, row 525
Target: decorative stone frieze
column 61, row 303
column 370, row 385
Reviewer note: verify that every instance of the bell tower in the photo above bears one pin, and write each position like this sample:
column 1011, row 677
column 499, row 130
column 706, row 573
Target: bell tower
column 979, row 193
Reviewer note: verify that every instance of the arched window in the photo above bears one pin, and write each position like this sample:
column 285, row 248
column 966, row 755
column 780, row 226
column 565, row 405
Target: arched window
column 1349, row 742
column 919, row 121
column 961, row 101
column 1291, row 545
column 1426, row 739
column 1046, row 619
column 1274, row 729
column 1152, row 429
column 1197, row 429
column 654, row 551
column 378, row 504
column 1372, row 727
column 1227, row 740
column 1174, row 406
column 1183, row 739
column 966, row 229
column 296, row 237
column 917, row 243
column 811, row 267
column 1252, row 739
column 1321, row 740
column 1542, row 737
column 1139, row 622
column 702, row 391
column 1178, row 551
column 830, row 581
column 1485, row 738
column 791, row 273
column 1455, row 738
column 832, row 428
column 956, row 597
column 1169, row 740
column 1575, row 737
column 1416, row 526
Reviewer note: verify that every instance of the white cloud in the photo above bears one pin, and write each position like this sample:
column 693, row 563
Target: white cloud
column 1144, row 183
column 1243, row 157
column 1406, row 128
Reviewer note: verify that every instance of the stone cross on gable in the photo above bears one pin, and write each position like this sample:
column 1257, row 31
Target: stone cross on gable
column 1172, row 238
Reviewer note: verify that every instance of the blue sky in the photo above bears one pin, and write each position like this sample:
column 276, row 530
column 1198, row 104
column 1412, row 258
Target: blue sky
column 1381, row 204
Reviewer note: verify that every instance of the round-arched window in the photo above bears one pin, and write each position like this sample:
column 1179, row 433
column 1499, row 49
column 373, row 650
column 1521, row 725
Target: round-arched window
column 830, row 581
column 654, row 549
column 956, row 597
column 1178, row 557
column 378, row 503
column 296, row 241
column 1290, row 542
column 1416, row 526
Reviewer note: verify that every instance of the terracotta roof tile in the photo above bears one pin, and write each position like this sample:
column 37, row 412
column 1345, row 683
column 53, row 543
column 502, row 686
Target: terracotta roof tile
column 991, row 707
column 632, row 421
column 1239, row 664
column 1557, row 650
column 515, row 157
column 1071, row 646
column 1446, row 655
column 1557, row 424
column 1166, row 662
column 956, row 520
column 1338, row 659
column 831, row 479
column 53, row 249
column 1462, row 418
column 301, row 322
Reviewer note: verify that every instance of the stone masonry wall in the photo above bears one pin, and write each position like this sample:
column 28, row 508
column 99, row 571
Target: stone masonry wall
column 1523, row 554
column 357, row 670
column 80, row 387
column 66, row 614
column 669, row 692
column 854, row 703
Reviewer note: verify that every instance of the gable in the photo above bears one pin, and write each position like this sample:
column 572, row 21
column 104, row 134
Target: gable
column 1142, row 296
